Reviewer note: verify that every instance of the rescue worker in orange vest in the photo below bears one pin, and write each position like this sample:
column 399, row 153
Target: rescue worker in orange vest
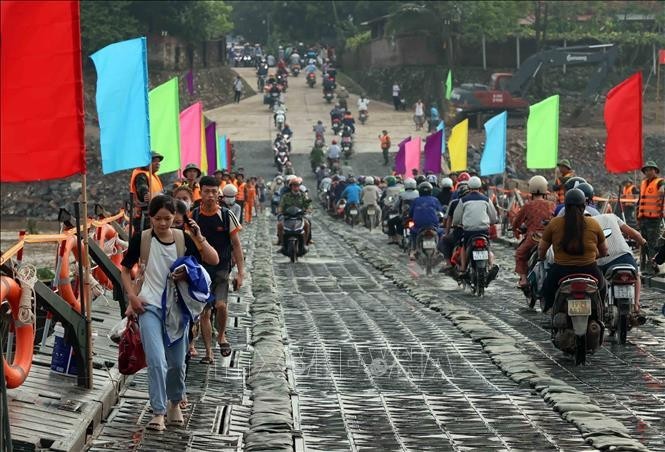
column 145, row 184
column 240, row 197
column 385, row 146
column 192, row 174
column 250, row 198
column 565, row 173
column 629, row 194
column 651, row 207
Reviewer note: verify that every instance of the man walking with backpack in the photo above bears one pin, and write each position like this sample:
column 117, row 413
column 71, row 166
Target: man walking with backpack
column 221, row 228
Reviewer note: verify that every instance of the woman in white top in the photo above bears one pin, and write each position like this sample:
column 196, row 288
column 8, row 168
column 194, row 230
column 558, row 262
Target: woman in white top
column 397, row 99
column 419, row 114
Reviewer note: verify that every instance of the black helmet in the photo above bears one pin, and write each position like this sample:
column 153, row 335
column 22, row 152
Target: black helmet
column 587, row 189
column 573, row 182
column 425, row 189
column 575, row 197
column 420, row 179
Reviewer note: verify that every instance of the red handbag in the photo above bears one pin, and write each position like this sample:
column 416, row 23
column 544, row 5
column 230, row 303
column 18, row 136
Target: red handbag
column 131, row 357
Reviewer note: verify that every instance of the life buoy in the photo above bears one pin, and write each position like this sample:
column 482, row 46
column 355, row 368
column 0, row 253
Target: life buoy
column 17, row 371
column 106, row 233
column 65, row 289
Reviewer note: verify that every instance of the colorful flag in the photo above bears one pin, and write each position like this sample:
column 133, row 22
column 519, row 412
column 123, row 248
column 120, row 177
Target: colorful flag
column 411, row 156
column 122, row 105
column 433, row 152
column 457, row 146
column 542, row 134
column 400, row 158
column 165, row 124
column 41, row 96
column 190, row 135
column 222, row 160
column 204, row 147
column 442, row 127
column 189, row 78
column 493, row 160
column 661, row 56
column 211, row 147
column 449, row 84
column 623, row 121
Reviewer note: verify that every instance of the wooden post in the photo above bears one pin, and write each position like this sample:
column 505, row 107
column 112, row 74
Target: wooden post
column 86, row 295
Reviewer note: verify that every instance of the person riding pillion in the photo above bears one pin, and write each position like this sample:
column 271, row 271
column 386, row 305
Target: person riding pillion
column 371, row 195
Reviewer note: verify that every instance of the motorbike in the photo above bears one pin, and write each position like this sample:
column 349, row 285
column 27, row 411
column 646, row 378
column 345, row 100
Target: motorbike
column 387, row 213
column 311, row 79
column 282, row 158
column 280, row 119
column 478, row 258
column 328, row 96
column 370, row 217
column 261, row 82
column 336, row 125
column 426, row 247
column 272, row 98
column 287, row 140
column 347, row 146
column 247, row 61
column 362, row 116
column 352, row 215
column 620, row 303
column 295, row 70
column 282, row 82
column 408, row 224
column 293, row 240
column 576, row 316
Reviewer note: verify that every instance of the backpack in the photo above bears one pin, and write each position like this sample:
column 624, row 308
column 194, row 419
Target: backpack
column 144, row 253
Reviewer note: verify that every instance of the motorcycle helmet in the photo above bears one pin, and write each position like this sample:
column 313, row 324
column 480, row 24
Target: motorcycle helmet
column 289, row 178
column 410, row 184
column 462, row 189
column 279, row 179
column 352, row 180
column 391, row 181
column 575, row 197
column 538, row 185
column 420, row 179
column 361, row 180
column 432, row 180
column 369, row 180
column 229, row 190
column 573, row 182
column 475, row 183
column 446, row 182
column 587, row 189
column 463, row 177
column 425, row 189
column 295, row 181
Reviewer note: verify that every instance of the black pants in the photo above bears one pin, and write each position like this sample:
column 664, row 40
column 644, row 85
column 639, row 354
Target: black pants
column 556, row 272
column 237, row 96
column 395, row 226
column 448, row 242
column 397, row 102
column 242, row 209
column 385, row 156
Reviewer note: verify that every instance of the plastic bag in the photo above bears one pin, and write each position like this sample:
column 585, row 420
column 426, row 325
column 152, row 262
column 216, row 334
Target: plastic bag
column 118, row 330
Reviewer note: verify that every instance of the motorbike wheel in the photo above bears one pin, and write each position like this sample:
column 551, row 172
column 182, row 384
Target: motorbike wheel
column 480, row 282
column 293, row 252
column 428, row 265
column 623, row 328
column 580, row 349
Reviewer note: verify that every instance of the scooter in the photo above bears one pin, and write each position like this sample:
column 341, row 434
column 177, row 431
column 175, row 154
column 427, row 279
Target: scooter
column 336, row 125
column 426, row 247
column 370, row 217
column 293, row 240
column 478, row 257
column 311, row 79
column 620, row 304
column 347, row 147
column 295, row 70
column 328, row 96
column 352, row 215
column 362, row 116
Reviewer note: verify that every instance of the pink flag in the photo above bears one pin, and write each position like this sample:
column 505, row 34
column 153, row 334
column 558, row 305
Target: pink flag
column 400, row 162
column 190, row 135
column 433, row 144
column 412, row 156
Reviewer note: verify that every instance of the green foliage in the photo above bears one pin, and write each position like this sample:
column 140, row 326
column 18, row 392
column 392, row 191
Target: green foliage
column 357, row 39
column 103, row 23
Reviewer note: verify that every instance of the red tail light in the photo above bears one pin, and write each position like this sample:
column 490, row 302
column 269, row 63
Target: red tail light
column 578, row 287
column 624, row 278
column 479, row 243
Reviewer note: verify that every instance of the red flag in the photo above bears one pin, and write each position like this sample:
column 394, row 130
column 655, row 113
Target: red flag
column 623, row 121
column 41, row 91
column 661, row 56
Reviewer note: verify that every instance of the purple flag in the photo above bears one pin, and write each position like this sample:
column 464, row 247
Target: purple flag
column 433, row 152
column 211, row 147
column 400, row 158
column 189, row 77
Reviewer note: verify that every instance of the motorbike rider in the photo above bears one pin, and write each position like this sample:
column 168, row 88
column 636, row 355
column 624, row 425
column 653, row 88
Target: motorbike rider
column 402, row 204
column 533, row 214
column 351, row 193
column 294, row 197
column 328, row 84
column 454, row 233
column 294, row 59
column 310, row 68
column 566, row 172
column 475, row 213
column 589, row 209
column 392, row 189
column 577, row 241
column 336, row 113
column 343, row 97
column 432, row 179
column 349, row 122
column 424, row 212
column 446, row 191
column 317, row 156
column 334, row 153
column 287, row 132
column 363, row 104
column 434, row 119
column 319, row 130
column 371, row 195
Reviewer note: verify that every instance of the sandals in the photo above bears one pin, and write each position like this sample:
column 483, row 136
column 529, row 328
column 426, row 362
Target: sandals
column 225, row 349
column 174, row 415
column 157, row 423
column 207, row 360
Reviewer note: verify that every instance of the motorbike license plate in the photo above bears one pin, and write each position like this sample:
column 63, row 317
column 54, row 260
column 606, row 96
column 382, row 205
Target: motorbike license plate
column 579, row 307
column 429, row 244
column 353, row 212
column 480, row 255
column 624, row 291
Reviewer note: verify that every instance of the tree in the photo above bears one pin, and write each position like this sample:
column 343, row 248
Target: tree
column 103, row 23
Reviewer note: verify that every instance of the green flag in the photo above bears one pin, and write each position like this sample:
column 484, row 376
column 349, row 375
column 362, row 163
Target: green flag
column 449, row 84
column 542, row 134
column 165, row 124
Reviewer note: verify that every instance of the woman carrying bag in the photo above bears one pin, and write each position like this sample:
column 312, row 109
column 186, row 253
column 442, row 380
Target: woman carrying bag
column 156, row 250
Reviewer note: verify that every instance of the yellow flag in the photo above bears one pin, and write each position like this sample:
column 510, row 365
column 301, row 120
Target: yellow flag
column 204, row 148
column 457, row 146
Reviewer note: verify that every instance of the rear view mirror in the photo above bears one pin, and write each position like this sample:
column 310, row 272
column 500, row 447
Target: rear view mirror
column 607, row 232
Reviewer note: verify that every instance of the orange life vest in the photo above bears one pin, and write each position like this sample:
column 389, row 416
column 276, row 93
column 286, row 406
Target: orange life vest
column 628, row 194
column 385, row 141
column 561, row 181
column 241, row 192
column 154, row 185
column 196, row 189
column 651, row 200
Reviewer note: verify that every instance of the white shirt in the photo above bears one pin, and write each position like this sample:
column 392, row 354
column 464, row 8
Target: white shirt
column 419, row 109
column 334, row 152
column 237, row 85
column 156, row 271
column 616, row 244
column 362, row 104
column 395, row 90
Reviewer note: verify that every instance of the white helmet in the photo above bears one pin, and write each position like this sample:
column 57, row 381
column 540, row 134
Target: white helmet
column 369, row 180
column 279, row 179
column 410, row 184
column 289, row 177
column 538, row 185
column 475, row 183
column 431, row 179
column 229, row 190
column 446, row 182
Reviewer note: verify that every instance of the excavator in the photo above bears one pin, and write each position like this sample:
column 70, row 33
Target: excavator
column 507, row 92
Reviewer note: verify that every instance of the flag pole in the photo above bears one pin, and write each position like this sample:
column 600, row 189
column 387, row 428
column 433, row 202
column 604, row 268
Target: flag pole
column 86, row 282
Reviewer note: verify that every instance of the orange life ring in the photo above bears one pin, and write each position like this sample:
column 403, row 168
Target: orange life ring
column 65, row 289
column 104, row 234
column 17, row 372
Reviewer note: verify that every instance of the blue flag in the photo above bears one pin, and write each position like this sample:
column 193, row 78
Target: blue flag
column 122, row 105
column 222, row 162
column 442, row 126
column 494, row 155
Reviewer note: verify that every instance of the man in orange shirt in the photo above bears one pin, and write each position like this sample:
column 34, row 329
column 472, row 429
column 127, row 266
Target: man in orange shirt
column 240, row 197
column 145, row 184
column 250, row 200
column 384, row 138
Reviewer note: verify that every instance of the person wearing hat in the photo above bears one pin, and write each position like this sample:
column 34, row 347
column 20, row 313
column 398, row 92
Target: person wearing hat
column 384, row 139
column 192, row 174
column 565, row 173
column 294, row 198
column 651, row 205
column 219, row 177
column 145, row 184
